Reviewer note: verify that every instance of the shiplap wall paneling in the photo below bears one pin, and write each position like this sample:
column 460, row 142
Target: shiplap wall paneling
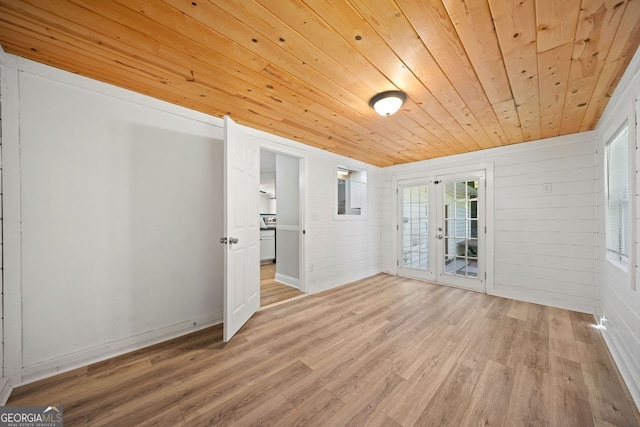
column 344, row 249
column 545, row 225
column 544, row 248
column 619, row 294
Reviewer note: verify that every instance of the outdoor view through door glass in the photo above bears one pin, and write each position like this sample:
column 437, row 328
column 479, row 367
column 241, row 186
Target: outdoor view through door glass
column 461, row 228
column 415, row 227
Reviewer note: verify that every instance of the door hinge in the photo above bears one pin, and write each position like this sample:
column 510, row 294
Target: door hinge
column 304, row 231
column 398, row 263
column 485, row 229
column 397, row 192
column 485, row 275
column 397, row 226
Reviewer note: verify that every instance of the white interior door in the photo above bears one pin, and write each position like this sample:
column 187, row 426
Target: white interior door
column 441, row 229
column 242, row 233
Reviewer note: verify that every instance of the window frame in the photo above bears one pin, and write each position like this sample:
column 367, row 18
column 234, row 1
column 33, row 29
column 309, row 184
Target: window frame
column 364, row 208
column 617, row 257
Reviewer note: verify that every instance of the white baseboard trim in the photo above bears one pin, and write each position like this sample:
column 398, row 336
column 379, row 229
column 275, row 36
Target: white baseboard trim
column 567, row 302
column 5, row 391
column 315, row 288
column 97, row 354
column 629, row 373
column 287, row 280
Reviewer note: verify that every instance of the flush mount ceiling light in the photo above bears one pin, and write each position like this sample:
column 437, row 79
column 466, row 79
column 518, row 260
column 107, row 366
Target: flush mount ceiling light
column 387, row 103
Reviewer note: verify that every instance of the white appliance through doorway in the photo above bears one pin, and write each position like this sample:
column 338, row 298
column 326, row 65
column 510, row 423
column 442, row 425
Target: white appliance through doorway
column 442, row 229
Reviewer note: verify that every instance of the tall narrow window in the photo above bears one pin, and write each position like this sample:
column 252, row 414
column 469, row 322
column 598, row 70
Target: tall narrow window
column 352, row 191
column 617, row 194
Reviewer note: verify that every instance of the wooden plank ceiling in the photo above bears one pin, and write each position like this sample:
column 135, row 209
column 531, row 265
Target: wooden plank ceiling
column 478, row 73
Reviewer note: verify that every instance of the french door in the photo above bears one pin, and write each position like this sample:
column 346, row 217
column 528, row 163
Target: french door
column 441, row 229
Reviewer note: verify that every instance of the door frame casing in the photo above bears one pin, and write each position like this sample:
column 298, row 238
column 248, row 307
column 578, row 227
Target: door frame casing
column 271, row 143
column 417, row 175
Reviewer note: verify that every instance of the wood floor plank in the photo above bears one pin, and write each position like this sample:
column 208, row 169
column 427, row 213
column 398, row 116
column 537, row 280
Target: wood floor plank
column 272, row 291
column 519, row 310
column 383, row 351
column 561, row 337
column 488, row 406
column 529, row 403
column 569, row 401
column 450, row 403
column 608, row 401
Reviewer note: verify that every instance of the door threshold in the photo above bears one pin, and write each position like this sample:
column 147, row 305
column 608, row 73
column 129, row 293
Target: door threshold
column 273, row 304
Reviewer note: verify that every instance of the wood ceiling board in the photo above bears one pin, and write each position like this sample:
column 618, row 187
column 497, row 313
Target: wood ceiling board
column 431, row 21
column 597, row 25
column 423, row 142
column 315, row 64
column 553, row 69
column 440, row 99
column 557, row 21
column 364, row 42
column 474, row 27
column 516, row 29
column 622, row 49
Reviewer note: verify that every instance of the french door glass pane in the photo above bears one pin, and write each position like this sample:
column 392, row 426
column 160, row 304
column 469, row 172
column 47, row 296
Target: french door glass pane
column 461, row 232
column 415, row 227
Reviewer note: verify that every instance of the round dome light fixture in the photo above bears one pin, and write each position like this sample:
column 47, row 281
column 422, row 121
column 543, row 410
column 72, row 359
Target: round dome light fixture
column 389, row 102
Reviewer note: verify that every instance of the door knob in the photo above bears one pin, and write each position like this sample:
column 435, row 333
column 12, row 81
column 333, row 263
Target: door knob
column 233, row 240
column 439, row 236
column 223, row 240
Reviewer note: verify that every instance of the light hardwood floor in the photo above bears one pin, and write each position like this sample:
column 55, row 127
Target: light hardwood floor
column 381, row 351
column 272, row 291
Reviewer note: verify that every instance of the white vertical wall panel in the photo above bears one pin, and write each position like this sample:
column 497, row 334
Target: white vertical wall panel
column 544, row 242
column 335, row 251
column 121, row 216
column 340, row 250
column 619, row 292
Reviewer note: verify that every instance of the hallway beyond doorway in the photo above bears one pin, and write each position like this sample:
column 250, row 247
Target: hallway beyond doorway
column 272, row 291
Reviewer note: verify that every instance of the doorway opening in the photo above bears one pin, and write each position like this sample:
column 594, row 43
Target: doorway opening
column 441, row 229
column 280, row 228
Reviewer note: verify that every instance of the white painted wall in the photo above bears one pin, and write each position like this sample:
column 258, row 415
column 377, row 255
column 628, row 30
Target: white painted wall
column 288, row 220
column 113, row 215
column 120, row 219
column 344, row 248
column 541, row 246
column 267, row 204
column 334, row 251
column 619, row 292
column 5, row 389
